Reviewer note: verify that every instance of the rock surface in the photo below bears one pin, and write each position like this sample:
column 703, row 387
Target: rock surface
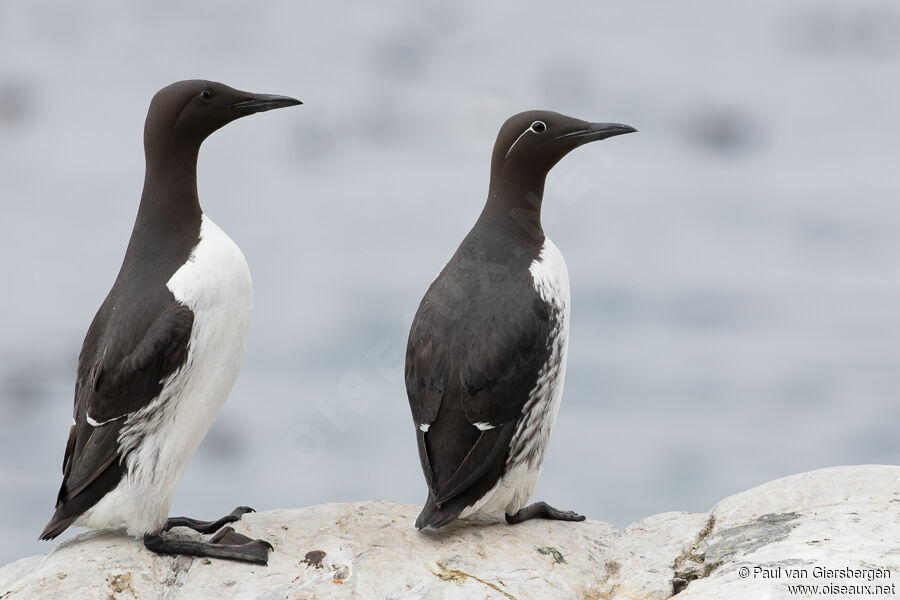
column 837, row 518
column 790, row 531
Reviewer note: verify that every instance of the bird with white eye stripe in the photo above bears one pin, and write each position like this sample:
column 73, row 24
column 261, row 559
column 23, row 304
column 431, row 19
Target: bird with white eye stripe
column 486, row 356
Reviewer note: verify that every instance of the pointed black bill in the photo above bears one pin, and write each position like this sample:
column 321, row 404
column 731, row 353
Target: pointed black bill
column 263, row 102
column 599, row 131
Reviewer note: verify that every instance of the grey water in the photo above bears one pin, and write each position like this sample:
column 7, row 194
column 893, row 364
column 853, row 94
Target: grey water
column 735, row 266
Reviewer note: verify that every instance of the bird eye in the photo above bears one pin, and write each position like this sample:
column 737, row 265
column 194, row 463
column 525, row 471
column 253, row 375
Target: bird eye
column 538, row 127
column 206, row 94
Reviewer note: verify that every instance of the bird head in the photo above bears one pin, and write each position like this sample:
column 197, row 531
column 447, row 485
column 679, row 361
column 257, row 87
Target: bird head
column 186, row 112
column 532, row 142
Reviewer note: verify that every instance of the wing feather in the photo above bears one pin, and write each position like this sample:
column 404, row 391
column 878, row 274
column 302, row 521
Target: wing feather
column 487, row 377
column 115, row 379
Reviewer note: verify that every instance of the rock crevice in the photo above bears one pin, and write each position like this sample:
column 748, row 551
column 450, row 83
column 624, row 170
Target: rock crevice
column 691, row 564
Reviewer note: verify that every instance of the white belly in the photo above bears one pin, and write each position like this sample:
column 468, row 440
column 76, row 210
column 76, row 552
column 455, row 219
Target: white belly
column 162, row 437
column 529, row 442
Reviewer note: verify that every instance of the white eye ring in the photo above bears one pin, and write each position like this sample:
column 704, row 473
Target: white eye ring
column 536, row 127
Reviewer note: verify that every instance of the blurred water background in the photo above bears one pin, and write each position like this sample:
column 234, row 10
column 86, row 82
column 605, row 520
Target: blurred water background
column 734, row 265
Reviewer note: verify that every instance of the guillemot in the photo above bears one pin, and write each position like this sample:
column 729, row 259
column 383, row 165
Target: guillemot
column 165, row 347
column 486, row 356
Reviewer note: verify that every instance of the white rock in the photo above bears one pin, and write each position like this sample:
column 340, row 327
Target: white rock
column 839, row 517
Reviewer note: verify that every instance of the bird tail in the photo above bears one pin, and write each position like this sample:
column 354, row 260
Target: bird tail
column 434, row 516
column 59, row 523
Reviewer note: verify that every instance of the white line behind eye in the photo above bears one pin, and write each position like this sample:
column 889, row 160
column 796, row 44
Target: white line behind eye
column 516, row 142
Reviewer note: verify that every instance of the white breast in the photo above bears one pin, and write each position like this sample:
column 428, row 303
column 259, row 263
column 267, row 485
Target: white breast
column 162, row 437
column 529, row 442
column 215, row 284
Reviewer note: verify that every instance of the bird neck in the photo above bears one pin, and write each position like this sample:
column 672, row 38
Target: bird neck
column 169, row 214
column 514, row 204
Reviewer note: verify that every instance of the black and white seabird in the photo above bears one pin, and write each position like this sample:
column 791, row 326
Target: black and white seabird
column 486, row 356
column 165, row 347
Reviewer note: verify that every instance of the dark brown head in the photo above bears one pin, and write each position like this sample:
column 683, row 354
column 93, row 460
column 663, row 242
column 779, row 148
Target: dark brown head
column 185, row 113
column 531, row 143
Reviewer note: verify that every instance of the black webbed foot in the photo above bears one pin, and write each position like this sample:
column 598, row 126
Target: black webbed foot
column 226, row 544
column 227, row 536
column 207, row 526
column 542, row 510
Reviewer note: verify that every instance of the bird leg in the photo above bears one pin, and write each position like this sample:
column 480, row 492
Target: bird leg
column 226, row 544
column 542, row 510
column 207, row 526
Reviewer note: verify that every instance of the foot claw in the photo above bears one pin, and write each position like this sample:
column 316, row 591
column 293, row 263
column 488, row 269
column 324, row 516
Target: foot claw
column 259, row 551
column 570, row 515
column 242, row 510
